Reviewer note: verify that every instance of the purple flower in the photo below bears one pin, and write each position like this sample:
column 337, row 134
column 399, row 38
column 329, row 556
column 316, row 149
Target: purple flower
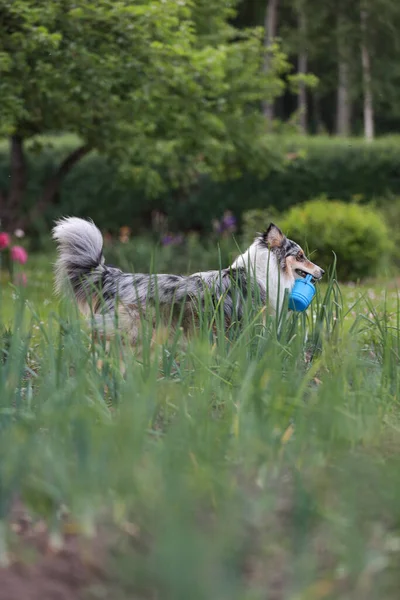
column 229, row 221
column 167, row 240
column 172, row 240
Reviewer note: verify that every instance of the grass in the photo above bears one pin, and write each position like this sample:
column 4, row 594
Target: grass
column 261, row 466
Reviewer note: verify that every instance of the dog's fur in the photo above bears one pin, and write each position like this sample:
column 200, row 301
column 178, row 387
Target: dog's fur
column 266, row 270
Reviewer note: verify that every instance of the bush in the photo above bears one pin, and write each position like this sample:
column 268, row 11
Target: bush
column 358, row 235
column 390, row 209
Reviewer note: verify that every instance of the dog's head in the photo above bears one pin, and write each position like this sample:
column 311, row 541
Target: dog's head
column 290, row 256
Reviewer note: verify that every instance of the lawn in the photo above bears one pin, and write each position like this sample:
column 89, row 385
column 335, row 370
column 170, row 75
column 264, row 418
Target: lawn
column 261, row 466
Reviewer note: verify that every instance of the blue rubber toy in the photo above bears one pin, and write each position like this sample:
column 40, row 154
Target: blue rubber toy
column 302, row 294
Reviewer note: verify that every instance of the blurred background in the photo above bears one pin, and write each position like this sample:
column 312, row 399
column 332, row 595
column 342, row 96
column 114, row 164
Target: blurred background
column 174, row 125
column 260, row 464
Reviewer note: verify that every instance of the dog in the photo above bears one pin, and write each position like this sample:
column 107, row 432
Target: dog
column 266, row 270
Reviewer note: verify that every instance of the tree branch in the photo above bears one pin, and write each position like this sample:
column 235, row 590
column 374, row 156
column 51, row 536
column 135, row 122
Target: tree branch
column 52, row 186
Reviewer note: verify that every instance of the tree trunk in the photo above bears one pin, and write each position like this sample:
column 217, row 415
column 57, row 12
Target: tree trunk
column 302, row 70
column 11, row 201
column 318, row 123
column 343, row 106
column 367, row 79
column 270, row 25
column 343, row 103
column 52, row 186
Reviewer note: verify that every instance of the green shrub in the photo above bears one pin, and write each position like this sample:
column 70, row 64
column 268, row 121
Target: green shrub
column 390, row 209
column 358, row 235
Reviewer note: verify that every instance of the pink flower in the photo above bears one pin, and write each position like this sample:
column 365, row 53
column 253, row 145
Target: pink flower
column 20, row 279
column 4, row 240
column 19, row 254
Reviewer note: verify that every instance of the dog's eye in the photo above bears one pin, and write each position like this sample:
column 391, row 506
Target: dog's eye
column 300, row 256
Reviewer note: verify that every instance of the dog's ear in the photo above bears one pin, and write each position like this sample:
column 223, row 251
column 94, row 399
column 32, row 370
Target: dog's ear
column 273, row 237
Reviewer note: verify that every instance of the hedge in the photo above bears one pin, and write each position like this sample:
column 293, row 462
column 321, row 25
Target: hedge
column 314, row 166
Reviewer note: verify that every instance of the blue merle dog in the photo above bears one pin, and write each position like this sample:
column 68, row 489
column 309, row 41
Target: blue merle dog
column 265, row 270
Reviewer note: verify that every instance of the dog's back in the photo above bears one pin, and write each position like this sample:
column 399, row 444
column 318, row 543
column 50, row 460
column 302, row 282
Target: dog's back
column 104, row 290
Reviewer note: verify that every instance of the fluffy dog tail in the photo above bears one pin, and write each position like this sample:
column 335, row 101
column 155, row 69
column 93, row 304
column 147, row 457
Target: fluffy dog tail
column 80, row 258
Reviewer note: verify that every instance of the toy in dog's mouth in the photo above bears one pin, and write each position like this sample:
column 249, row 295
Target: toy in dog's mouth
column 303, row 274
column 302, row 293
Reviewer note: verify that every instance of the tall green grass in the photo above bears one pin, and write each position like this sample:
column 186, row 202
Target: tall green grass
column 262, row 463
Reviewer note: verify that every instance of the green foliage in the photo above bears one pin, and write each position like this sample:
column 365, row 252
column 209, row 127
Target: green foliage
column 256, row 221
column 190, row 255
column 335, row 168
column 209, row 471
column 169, row 91
column 358, row 235
column 389, row 207
column 331, row 35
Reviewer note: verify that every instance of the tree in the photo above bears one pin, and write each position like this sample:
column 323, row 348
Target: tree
column 299, row 32
column 168, row 90
column 343, row 98
column 366, row 76
column 379, row 22
column 336, row 39
column 302, row 63
column 270, row 31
